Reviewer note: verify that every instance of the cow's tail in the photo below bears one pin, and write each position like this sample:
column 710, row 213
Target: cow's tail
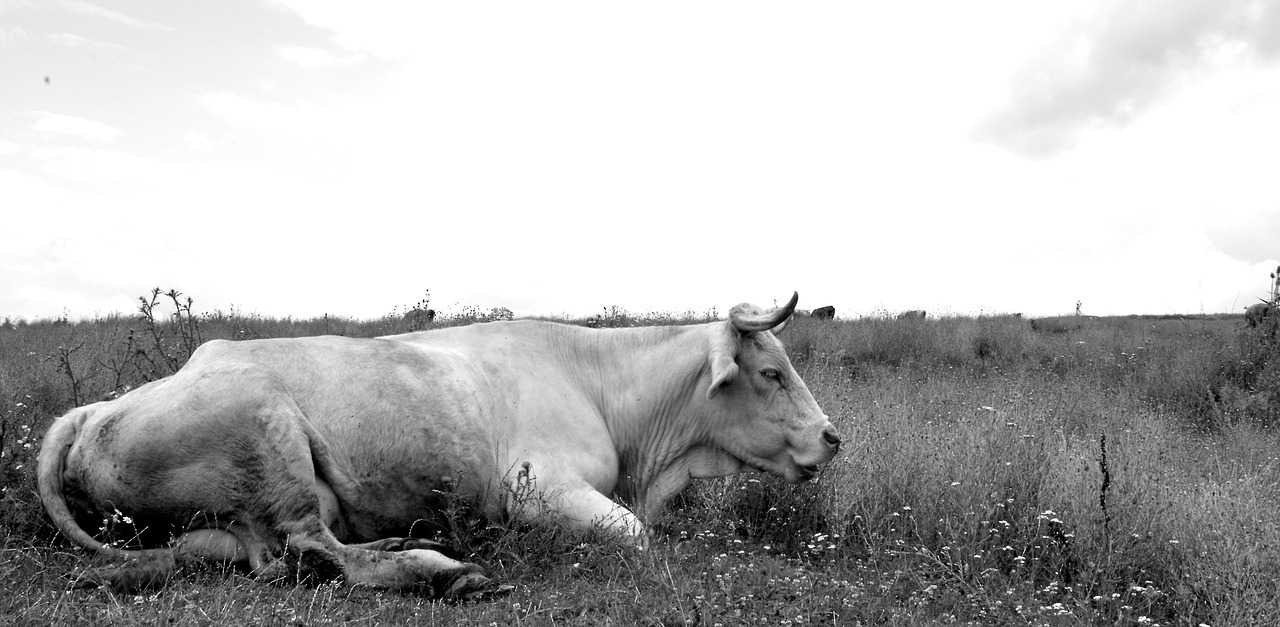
column 148, row 568
column 50, row 465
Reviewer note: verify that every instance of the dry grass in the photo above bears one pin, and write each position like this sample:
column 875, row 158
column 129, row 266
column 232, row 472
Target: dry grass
column 970, row 490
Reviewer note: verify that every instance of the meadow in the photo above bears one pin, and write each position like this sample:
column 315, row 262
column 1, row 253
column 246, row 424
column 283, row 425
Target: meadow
column 1078, row 471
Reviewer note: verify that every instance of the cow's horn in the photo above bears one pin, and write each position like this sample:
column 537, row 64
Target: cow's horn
column 752, row 323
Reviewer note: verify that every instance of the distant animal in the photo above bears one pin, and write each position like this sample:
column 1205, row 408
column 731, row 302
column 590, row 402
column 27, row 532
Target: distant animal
column 420, row 316
column 824, row 313
column 1257, row 313
column 312, row 457
column 915, row 314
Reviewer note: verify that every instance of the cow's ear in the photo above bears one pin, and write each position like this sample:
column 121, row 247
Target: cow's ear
column 724, row 347
column 722, row 372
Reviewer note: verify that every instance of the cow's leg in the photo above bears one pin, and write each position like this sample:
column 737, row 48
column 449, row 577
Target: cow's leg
column 545, row 486
column 587, row 507
column 293, row 503
column 233, row 446
column 153, row 567
column 582, row 507
column 404, row 544
column 330, row 513
column 214, row 545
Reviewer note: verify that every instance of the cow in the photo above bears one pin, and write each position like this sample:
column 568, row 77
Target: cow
column 421, row 317
column 824, row 313
column 915, row 314
column 1257, row 313
column 313, row 457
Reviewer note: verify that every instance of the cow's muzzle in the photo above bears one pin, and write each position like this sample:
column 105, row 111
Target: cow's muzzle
column 831, row 438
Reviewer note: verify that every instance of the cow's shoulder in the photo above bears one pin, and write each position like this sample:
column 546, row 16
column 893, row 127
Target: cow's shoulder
column 496, row 341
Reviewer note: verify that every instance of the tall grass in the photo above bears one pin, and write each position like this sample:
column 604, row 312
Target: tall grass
column 1084, row 471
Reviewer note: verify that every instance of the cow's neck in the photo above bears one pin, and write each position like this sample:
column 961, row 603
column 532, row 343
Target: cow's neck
column 650, row 385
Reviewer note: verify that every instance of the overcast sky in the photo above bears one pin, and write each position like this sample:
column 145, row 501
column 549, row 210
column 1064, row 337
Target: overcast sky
column 301, row 158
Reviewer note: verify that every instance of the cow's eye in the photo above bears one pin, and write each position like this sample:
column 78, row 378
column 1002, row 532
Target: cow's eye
column 771, row 374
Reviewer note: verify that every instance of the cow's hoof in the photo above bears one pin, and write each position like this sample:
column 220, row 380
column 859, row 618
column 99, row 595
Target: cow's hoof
column 409, row 544
column 430, row 545
column 489, row 593
column 128, row 578
column 466, row 586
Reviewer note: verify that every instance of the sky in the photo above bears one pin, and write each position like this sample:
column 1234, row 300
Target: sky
column 298, row 158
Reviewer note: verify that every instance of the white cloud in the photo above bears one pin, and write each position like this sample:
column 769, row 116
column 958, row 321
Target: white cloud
column 384, row 28
column 572, row 155
column 273, row 118
column 85, row 8
column 73, row 40
column 12, row 35
column 315, row 58
column 56, row 124
column 200, row 142
column 91, row 166
column 1109, row 70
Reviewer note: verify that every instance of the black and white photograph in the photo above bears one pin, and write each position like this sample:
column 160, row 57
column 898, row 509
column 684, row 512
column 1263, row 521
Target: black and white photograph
column 665, row 313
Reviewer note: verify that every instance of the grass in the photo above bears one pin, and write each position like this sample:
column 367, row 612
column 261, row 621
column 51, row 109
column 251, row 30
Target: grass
column 971, row 488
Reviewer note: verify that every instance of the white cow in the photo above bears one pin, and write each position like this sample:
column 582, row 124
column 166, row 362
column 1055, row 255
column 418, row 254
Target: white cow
column 311, row 456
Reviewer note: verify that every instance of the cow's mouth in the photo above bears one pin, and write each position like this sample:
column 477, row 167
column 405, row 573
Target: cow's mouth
column 789, row 470
column 807, row 472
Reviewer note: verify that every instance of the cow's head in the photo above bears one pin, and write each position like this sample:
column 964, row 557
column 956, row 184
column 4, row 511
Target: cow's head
column 761, row 411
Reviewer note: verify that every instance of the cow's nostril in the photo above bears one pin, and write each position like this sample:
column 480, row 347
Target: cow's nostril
column 830, row 436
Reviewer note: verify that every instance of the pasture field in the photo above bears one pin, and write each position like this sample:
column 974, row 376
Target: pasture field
column 1089, row 471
